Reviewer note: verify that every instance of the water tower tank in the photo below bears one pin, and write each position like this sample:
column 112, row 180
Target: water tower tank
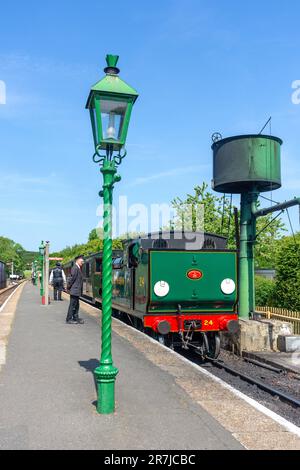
column 247, row 162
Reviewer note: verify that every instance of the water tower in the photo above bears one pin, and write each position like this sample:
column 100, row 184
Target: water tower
column 248, row 165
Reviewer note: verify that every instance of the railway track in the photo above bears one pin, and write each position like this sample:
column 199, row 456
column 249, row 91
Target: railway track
column 287, row 398
column 277, row 397
column 277, row 389
column 268, row 390
column 5, row 293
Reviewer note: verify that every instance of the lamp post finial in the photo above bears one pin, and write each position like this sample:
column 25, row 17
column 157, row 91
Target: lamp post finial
column 112, row 61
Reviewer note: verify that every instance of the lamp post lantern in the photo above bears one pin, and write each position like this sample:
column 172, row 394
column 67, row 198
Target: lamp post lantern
column 110, row 104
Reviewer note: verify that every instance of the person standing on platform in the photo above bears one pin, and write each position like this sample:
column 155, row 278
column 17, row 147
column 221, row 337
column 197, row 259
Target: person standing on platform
column 58, row 281
column 74, row 285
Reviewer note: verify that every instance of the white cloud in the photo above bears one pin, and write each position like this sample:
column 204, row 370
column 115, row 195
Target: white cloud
column 15, row 62
column 23, row 217
column 12, row 183
column 175, row 172
column 20, row 179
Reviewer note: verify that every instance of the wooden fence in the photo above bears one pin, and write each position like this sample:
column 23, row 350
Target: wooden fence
column 281, row 314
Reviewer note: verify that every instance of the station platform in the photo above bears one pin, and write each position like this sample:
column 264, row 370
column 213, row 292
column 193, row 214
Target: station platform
column 48, row 393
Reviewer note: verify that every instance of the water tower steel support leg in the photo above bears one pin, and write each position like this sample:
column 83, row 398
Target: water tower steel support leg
column 246, row 260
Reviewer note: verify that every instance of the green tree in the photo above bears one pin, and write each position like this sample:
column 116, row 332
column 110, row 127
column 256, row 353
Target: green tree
column 270, row 232
column 264, row 292
column 203, row 210
column 218, row 218
column 12, row 251
column 287, row 288
column 96, row 234
column 94, row 245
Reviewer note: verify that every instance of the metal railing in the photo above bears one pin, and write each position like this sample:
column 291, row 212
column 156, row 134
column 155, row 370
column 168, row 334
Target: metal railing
column 281, row 314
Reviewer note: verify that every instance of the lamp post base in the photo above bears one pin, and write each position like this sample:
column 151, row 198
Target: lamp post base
column 105, row 378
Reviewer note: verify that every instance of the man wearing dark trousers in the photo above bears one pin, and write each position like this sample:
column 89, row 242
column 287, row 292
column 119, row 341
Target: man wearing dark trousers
column 57, row 280
column 75, row 287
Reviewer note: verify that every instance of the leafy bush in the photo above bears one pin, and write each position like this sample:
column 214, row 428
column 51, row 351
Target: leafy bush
column 218, row 218
column 12, row 251
column 94, row 245
column 287, row 286
column 264, row 291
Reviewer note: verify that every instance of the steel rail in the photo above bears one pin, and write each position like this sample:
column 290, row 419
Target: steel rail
column 267, row 388
column 263, row 365
column 273, row 391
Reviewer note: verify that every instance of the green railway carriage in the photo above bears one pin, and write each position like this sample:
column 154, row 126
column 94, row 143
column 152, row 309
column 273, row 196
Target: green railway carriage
column 92, row 274
column 179, row 287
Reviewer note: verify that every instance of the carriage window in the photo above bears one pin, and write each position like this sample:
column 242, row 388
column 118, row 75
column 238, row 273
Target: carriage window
column 98, row 265
column 209, row 244
column 117, row 263
column 87, row 269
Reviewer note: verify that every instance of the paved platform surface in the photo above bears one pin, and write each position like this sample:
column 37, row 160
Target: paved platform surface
column 47, row 389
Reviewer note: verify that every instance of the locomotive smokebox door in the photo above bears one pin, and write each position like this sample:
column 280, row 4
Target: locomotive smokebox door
column 209, row 287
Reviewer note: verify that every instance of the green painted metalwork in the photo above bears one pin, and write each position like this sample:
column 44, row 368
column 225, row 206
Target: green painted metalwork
column 112, row 60
column 106, row 373
column 141, row 284
column 247, row 165
column 277, row 207
column 249, row 214
column 35, row 270
column 41, row 261
column 112, row 91
column 203, row 295
column 112, row 85
column 122, row 292
column 246, row 258
column 244, row 162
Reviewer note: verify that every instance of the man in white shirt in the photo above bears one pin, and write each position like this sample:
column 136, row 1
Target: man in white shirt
column 58, row 281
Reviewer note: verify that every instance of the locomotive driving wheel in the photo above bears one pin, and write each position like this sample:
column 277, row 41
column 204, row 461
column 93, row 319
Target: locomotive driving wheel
column 213, row 345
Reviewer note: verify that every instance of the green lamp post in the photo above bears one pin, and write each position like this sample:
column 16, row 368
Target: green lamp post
column 110, row 104
column 41, row 260
column 34, row 269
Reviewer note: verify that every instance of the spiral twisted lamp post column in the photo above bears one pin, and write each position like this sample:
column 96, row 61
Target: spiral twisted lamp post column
column 42, row 263
column 110, row 104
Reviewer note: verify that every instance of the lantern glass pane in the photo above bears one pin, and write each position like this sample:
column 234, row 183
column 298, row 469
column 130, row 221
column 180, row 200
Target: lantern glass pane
column 94, row 124
column 112, row 117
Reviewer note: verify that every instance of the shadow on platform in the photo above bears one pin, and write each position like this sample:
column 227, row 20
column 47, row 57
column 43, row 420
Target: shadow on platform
column 90, row 366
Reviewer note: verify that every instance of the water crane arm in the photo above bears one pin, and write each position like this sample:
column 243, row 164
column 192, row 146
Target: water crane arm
column 277, row 207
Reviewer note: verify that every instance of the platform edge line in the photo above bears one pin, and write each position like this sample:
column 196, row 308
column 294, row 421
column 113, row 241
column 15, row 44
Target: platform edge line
column 290, row 427
column 8, row 298
column 255, row 404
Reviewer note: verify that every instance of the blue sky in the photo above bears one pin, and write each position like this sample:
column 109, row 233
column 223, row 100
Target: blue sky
column 200, row 66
